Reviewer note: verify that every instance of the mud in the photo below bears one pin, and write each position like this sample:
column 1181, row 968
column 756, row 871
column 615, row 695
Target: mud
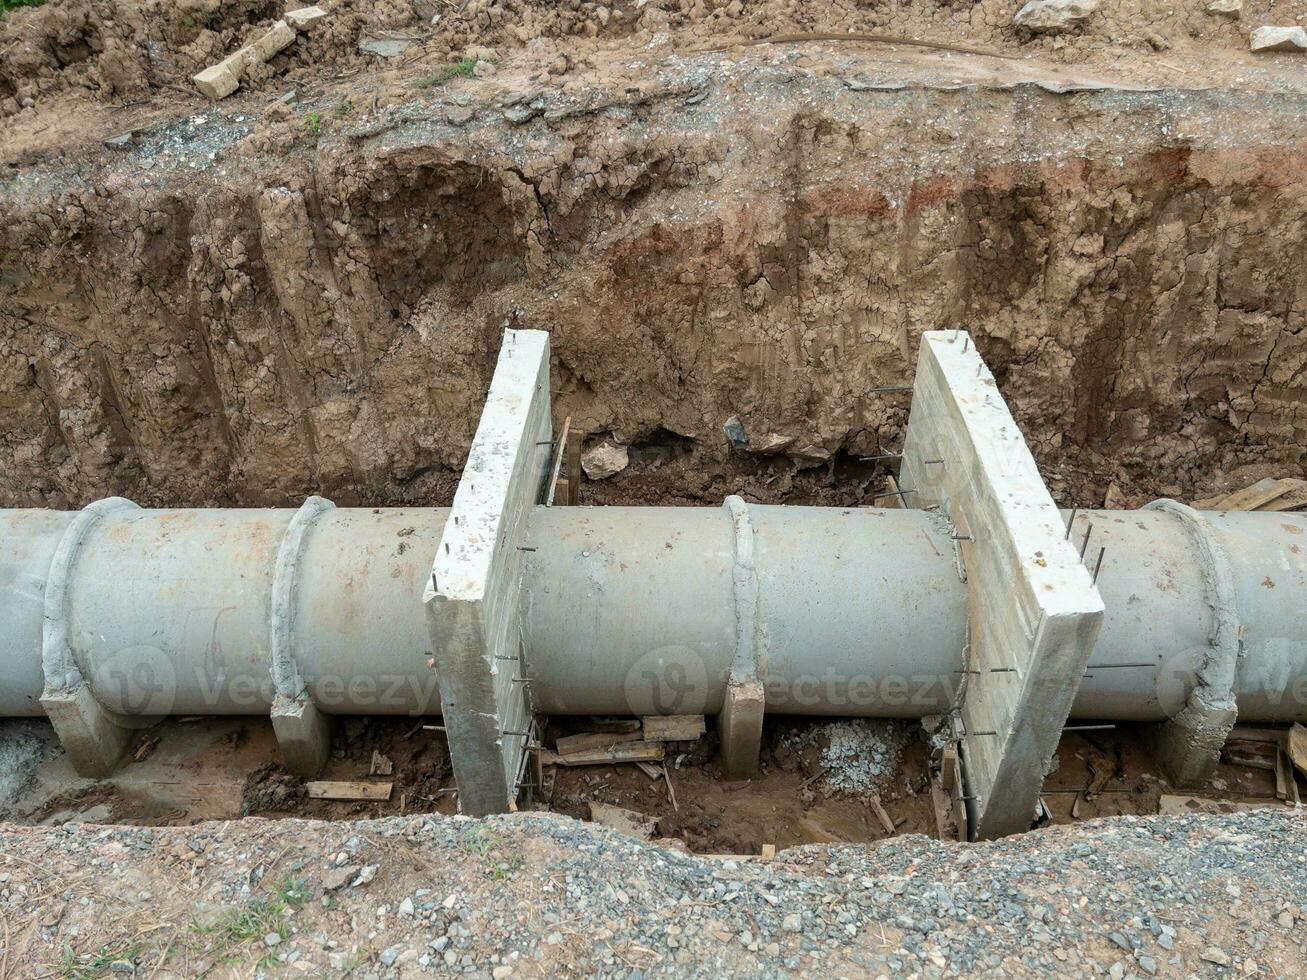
column 235, row 312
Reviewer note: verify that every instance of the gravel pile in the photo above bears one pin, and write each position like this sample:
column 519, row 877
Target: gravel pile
column 857, row 755
column 543, row 895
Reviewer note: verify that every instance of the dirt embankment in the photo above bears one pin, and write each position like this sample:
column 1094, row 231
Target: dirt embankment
column 241, row 313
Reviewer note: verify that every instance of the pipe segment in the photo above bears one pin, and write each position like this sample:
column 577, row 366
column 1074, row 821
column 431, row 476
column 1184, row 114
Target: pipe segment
column 860, row 611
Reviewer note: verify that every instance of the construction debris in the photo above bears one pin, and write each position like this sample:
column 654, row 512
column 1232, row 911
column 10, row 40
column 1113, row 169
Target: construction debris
column 590, row 741
column 222, row 79
column 673, row 728
column 1268, row 494
column 348, row 790
column 627, row 752
column 1298, row 747
column 625, row 821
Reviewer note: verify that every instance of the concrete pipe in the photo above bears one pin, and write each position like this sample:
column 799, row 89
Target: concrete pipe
column 625, row 610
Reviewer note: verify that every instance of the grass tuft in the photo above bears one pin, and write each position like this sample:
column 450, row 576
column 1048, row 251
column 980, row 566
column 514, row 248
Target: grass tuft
column 8, row 5
column 457, row 69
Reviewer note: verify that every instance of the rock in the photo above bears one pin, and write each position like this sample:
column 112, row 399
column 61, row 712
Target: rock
column 119, row 142
column 604, row 460
column 390, row 954
column 1225, row 8
column 501, row 972
column 305, row 17
column 272, row 939
column 1053, row 16
column 457, row 115
column 483, row 69
column 366, row 875
column 1214, row 954
column 384, row 47
column 338, row 878
column 406, row 908
column 1279, row 39
column 792, row 923
column 735, row 434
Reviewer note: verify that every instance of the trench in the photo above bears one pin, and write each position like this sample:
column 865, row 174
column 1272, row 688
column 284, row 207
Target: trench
column 728, row 283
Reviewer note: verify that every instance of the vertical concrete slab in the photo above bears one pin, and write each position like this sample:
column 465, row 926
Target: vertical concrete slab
column 472, row 598
column 1034, row 611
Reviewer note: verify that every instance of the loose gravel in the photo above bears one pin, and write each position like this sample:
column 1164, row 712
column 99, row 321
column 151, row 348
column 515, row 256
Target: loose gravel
column 538, row 894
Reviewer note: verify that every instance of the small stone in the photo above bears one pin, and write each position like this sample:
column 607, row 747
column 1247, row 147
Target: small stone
column 735, row 433
column 338, row 878
column 1279, row 39
column 406, row 908
column 792, row 923
column 457, row 115
column 502, row 971
column 1054, row 16
column 1225, row 8
column 1214, row 954
column 272, row 939
column 1148, row 965
column 604, row 460
column 305, row 17
column 483, row 69
column 366, row 875
column 390, row 954
column 119, row 142
column 122, row 966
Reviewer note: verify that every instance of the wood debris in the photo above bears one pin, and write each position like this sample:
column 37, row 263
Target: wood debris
column 673, row 728
column 348, row 790
column 590, row 741
column 629, row 822
column 1297, row 745
column 624, row 752
column 1268, row 494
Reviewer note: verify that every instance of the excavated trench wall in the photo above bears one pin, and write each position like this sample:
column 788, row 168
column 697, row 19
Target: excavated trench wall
column 275, row 315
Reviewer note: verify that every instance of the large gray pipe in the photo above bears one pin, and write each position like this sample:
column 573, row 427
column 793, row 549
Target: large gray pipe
column 625, row 610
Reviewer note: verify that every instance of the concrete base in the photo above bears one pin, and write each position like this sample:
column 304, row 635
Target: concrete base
column 92, row 736
column 1034, row 612
column 473, row 598
column 740, row 728
column 1188, row 747
column 303, row 735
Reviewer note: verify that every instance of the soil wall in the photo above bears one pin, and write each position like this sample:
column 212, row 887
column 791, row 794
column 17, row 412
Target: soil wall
column 282, row 313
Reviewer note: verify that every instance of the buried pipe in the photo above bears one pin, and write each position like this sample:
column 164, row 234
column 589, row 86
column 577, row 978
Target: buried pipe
column 624, row 610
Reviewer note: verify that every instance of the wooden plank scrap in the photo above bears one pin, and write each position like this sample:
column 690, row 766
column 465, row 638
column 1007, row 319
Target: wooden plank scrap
column 629, row 822
column 588, row 742
column 1298, row 747
column 558, row 490
column 673, row 728
column 613, row 724
column 1292, row 499
column 649, row 769
column 622, row 752
column 574, row 444
column 768, row 852
column 345, row 789
column 1250, row 498
column 881, row 814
